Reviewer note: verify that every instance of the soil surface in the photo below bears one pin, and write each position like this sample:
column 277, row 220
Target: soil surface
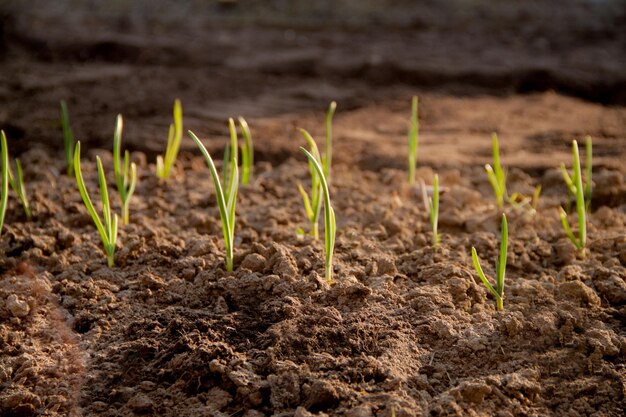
column 404, row 330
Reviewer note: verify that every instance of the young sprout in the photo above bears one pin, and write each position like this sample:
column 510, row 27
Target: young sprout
column 17, row 183
column 579, row 192
column 497, row 177
column 587, row 183
column 498, row 291
column 226, row 197
column 4, row 197
column 312, row 206
column 68, row 139
column 327, row 158
column 126, row 173
column 165, row 164
column 330, row 226
column 413, row 140
column 107, row 228
column 247, row 152
column 433, row 212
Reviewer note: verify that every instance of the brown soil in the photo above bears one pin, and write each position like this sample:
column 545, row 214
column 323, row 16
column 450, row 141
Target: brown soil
column 405, row 330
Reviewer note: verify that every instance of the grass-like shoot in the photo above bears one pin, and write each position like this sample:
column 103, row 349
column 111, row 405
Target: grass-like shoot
column 68, row 138
column 247, row 152
column 330, row 225
column 125, row 172
column 497, row 176
column 433, row 212
column 498, row 291
column 327, row 158
column 587, row 182
column 4, row 197
column 175, row 135
column 17, row 183
column 227, row 196
column 107, row 228
column 577, row 182
column 413, row 140
column 312, row 205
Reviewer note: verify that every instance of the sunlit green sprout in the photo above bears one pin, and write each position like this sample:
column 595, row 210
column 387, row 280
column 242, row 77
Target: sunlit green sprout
column 107, row 228
column 587, row 182
column 433, row 212
column 327, row 158
column 247, row 152
column 497, row 176
column 175, row 135
column 313, row 205
column 330, row 226
column 498, row 291
column 68, row 138
column 17, row 183
column 413, row 140
column 125, row 173
column 4, row 197
column 227, row 196
column 579, row 192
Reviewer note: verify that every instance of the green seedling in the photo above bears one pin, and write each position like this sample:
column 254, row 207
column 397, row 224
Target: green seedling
column 107, row 228
column 587, row 182
column 247, row 152
column 497, row 177
column 175, row 135
column 17, row 183
column 226, row 197
column 330, row 225
column 433, row 212
column 125, row 173
column 498, row 291
column 579, row 192
column 313, row 205
column 327, row 158
column 413, row 140
column 68, row 138
column 4, row 197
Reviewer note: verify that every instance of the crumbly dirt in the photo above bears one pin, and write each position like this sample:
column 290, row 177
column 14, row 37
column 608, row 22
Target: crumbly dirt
column 404, row 330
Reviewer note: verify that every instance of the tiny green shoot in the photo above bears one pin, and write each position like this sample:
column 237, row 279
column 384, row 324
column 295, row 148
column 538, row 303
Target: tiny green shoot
column 330, row 225
column 413, row 140
column 125, row 172
column 327, row 158
column 4, row 197
column 498, row 291
column 580, row 241
column 247, row 152
column 313, row 205
column 433, row 212
column 497, row 177
column 587, row 180
column 17, row 183
column 68, row 138
column 108, row 227
column 226, row 200
column 175, row 135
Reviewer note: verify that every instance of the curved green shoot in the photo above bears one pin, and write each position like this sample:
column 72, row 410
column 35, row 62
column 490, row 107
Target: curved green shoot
column 497, row 177
column 313, row 205
column 107, row 228
column 327, row 158
column 413, row 140
column 226, row 200
column 498, row 291
column 125, row 173
column 433, row 212
column 247, row 152
column 581, row 208
column 68, row 138
column 17, row 183
column 330, row 225
column 175, row 135
column 587, row 181
column 4, row 197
